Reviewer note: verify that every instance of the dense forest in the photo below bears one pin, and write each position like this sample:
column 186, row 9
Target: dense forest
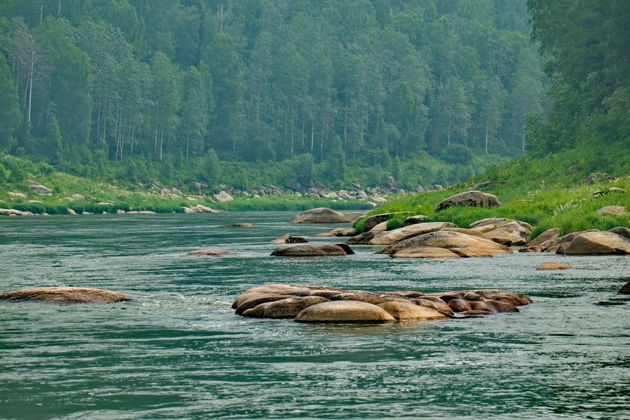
column 291, row 91
column 590, row 73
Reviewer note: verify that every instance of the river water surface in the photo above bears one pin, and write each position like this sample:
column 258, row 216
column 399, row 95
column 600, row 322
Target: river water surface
column 179, row 351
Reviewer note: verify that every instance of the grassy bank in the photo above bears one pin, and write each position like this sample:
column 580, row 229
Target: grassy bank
column 97, row 197
column 571, row 208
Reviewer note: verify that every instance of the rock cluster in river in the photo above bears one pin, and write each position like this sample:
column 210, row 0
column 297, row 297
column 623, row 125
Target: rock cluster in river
column 65, row 295
column 328, row 304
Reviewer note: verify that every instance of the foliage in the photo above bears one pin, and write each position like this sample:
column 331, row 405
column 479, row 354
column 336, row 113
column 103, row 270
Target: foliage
column 143, row 91
column 547, row 206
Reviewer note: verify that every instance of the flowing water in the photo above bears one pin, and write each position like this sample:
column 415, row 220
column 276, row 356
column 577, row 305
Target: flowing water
column 179, row 351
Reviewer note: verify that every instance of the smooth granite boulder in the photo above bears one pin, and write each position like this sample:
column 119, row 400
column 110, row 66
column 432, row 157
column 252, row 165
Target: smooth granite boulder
column 450, row 240
column 397, row 235
column 345, row 311
column 65, row 295
column 408, row 311
column 598, row 243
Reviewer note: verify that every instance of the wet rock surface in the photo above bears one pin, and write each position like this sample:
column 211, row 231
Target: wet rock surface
column 323, row 304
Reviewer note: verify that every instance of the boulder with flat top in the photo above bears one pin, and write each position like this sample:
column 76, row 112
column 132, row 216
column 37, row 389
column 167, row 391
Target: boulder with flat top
column 65, row 295
column 469, row 199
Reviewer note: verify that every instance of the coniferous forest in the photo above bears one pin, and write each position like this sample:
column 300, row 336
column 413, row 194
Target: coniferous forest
column 251, row 92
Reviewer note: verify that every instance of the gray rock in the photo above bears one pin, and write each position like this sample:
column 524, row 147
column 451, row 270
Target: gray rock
column 469, row 199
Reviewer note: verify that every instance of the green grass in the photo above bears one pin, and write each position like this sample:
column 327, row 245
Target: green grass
column 99, row 197
column 569, row 208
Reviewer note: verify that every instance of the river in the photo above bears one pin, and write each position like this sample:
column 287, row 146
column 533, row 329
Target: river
column 179, row 351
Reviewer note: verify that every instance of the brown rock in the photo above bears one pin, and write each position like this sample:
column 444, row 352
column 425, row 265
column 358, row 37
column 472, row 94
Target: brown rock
column 407, row 232
column 500, row 306
column 621, row 230
column 471, row 252
column 283, row 308
column 448, row 240
column 338, row 232
column 65, row 295
column 407, row 311
column 509, row 234
column 288, row 239
column 257, row 300
column 459, row 305
column 548, row 235
column 242, row 225
column 611, row 210
column 435, row 303
column 363, row 238
column 381, row 227
column 313, row 250
column 345, row 311
column 551, row 265
column 424, row 252
column 598, row 243
column 469, row 199
column 532, row 249
column 322, row 215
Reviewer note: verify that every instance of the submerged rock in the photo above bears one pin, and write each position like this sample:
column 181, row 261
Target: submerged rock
column 552, row 265
column 241, row 225
column 625, row 289
column 65, row 295
column 211, row 252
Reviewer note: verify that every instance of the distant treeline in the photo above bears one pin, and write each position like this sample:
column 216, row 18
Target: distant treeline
column 362, row 83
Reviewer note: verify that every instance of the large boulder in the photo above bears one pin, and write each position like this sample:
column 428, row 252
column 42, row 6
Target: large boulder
column 424, row 252
column 469, row 199
column 283, row 308
column 448, row 240
column 344, row 311
column 407, row 232
column 223, row 197
column 65, row 295
column 323, row 215
column 546, row 236
column 511, row 233
column 407, row 311
column 598, row 243
column 313, row 250
column 40, row 189
column 611, row 210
